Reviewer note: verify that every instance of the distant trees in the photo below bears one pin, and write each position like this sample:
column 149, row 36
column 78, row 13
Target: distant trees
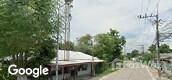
column 164, row 48
column 134, row 53
column 106, row 46
column 148, row 56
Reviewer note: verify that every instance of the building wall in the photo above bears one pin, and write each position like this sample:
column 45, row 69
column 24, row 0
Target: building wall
column 85, row 72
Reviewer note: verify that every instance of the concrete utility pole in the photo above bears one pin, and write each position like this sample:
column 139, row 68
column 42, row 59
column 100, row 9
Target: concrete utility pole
column 68, row 18
column 143, row 48
column 57, row 38
column 157, row 21
column 91, row 42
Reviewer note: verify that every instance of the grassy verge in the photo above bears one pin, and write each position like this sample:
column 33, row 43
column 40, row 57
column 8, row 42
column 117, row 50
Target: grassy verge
column 106, row 72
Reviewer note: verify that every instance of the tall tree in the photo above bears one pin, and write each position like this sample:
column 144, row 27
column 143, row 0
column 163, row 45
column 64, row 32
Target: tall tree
column 27, row 29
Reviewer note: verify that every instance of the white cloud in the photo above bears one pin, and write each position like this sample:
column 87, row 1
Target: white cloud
column 98, row 16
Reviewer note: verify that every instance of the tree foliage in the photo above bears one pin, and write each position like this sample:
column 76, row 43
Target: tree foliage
column 164, row 48
column 105, row 46
column 69, row 45
column 134, row 53
column 83, row 44
column 152, row 48
column 108, row 46
column 148, row 57
column 27, row 31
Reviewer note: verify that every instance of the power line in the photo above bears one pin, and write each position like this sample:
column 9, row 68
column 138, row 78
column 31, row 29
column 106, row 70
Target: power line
column 157, row 21
column 148, row 5
column 141, row 6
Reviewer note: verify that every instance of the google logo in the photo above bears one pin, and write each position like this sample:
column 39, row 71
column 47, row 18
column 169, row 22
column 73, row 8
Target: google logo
column 35, row 72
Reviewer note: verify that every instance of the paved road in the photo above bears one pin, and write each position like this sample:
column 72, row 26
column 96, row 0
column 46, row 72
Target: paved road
column 131, row 74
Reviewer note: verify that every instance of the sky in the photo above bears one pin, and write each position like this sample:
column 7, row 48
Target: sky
column 98, row 16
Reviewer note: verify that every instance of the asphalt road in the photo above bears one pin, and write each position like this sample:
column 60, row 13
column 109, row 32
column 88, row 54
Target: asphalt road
column 131, row 73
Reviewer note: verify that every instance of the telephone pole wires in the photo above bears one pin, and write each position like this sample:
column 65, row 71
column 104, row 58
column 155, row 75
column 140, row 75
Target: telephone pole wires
column 157, row 21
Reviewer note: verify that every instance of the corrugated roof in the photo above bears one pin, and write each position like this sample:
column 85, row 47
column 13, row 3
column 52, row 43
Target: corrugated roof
column 74, row 58
column 165, row 55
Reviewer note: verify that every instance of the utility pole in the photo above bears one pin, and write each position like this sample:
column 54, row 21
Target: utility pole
column 57, row 38
column 157, row 21
column 124, row 56
column 91, row 42
column 68, row 18
column 143, row 48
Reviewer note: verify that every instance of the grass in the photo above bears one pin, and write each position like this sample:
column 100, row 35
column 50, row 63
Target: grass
column 106, row 72
column 99, row 75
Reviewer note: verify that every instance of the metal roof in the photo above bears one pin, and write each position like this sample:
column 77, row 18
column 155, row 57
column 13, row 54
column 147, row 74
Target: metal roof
column 165, row 55
column 74, row 58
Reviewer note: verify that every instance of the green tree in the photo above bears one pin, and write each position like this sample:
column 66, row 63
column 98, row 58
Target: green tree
column 134, row 53
column 152, row 48
column 67, row 46
column 108, row 46
column 148, row 57
column 83, row 44
column 27, row 29
column 164, row 48
column 24, row 24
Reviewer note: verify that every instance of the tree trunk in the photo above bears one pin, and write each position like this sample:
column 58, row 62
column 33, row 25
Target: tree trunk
column 21, row 63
